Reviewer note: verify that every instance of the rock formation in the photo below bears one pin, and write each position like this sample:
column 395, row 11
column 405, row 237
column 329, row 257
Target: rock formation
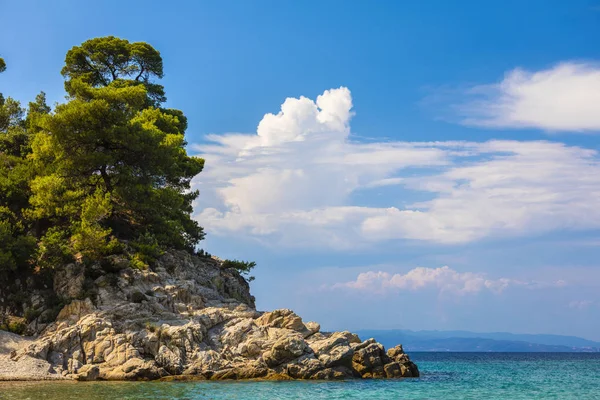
column 187, row 317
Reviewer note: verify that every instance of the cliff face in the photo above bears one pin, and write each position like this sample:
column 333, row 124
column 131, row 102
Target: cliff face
column 189, row 317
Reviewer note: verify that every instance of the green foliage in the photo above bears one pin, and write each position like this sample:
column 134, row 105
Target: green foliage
column 17, row 244
column 31, row 314
column 110, row 139
column 101, row 61
column 147, row 250
column 150, row 327
column 16, row 248
column 14, row 325
column 203, row 254
column 90, row 240
column 104, row 174
column 137, row 262
column 36, row 111
column 243, row 267
column 53, row 248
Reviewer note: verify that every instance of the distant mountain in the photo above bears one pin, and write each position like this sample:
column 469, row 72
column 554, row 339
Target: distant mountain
column 475, row 341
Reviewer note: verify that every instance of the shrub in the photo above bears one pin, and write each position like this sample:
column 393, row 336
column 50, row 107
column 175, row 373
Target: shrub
column 54, row 249
column 31, row 314
column 203, row 254
column 147, row 249
column 150, row 327
column 17, row 326
column 137, row 262
column 243, row 267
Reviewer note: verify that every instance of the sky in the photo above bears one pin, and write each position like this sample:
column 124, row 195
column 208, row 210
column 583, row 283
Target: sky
column 388, row 165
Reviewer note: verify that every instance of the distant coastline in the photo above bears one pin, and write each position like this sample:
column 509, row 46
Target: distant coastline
column 465, row 341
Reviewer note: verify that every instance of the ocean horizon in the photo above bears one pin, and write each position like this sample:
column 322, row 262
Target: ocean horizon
column 444, row 375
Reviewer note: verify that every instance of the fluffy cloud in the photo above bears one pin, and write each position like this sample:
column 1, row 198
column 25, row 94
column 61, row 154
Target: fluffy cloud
column 297, row 180
column 563, row 98
column 443, row 279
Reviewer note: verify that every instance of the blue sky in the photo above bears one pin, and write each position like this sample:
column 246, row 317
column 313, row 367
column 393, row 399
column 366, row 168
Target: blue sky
column 434, row 166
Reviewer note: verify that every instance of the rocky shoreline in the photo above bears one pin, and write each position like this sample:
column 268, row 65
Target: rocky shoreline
column 185, row 318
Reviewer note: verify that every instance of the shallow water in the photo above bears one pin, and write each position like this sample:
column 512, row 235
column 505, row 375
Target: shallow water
column 444, row 376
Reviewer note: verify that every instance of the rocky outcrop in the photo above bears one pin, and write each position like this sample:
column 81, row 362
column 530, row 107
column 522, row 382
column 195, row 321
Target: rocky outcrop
column 187, row 317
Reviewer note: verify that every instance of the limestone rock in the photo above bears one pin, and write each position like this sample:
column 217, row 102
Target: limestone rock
column 69, row 280
column 76, row 310
column 369, row 361
column 88, row 373
column 284, row 350
column 401, row 367
column 133, row 369
column 187, row 317
column 312, row 327
column 334, row 350
column 304, row 367
column 285, row 319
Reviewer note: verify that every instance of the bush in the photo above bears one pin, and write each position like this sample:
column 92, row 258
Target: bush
column 150, row 327
column 147, row 250
column 17, row 326
column 243, row 267
column 136, row 262
column 203, row 254
column 31, row 314
column 54, row 249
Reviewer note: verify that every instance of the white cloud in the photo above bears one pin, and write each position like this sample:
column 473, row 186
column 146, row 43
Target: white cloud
column 517, row 188
column 296, row 180
column 565, row 97
column 444, row 279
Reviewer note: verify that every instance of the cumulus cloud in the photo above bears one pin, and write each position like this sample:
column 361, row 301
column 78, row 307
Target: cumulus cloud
column 444, row 279
column 297, row 179
column 565, row 97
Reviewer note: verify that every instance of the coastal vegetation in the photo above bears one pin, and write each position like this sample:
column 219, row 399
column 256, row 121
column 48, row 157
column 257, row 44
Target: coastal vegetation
column 104, row 174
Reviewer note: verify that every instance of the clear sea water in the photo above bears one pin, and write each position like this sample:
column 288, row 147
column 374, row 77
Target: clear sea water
column 444, row 376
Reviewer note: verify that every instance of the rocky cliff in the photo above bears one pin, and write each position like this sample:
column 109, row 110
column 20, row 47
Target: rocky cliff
column 188, row 317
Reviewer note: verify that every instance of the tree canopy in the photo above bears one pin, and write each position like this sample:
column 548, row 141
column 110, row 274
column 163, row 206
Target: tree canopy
column 17, row 244
column 101, row 62
column 105, row 173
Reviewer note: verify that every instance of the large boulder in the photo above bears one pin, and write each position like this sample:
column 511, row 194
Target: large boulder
column 401, row 367
column 335, row 350
column 369, row 360
column 285, row 350
column 284, row 319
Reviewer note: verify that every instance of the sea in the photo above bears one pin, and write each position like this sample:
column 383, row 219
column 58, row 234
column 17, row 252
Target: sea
column 443, row 376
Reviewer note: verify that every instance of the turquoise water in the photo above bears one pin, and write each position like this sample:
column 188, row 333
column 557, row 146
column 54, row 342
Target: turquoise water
column 444, row 376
